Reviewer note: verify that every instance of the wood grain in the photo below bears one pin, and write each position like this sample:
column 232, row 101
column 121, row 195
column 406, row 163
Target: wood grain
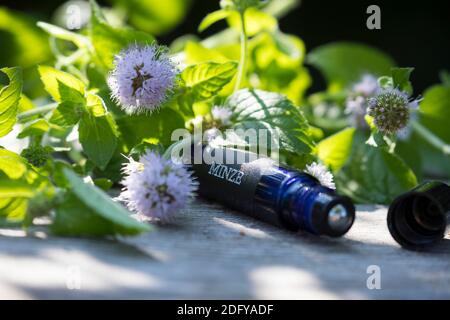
column 213, row 253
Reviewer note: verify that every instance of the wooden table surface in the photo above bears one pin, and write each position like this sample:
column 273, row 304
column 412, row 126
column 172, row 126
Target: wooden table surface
column 212, row 253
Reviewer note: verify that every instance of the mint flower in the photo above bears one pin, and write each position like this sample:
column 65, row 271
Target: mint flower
column 221, row 115
column 390, row 109
column 356, row 104
column 143, row 78
column 321, row 173
column 367, row 86
column 156, row 187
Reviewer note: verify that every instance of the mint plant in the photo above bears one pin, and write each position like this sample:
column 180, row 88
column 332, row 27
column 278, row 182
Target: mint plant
column 110, row 97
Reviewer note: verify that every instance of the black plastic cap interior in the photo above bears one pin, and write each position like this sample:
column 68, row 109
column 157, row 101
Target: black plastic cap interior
column 418, row 218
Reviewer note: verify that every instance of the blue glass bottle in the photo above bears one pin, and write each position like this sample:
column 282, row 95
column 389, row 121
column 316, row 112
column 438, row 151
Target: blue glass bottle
column 275, row 194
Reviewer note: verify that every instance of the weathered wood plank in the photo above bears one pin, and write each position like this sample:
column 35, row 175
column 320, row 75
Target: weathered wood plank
column 214, row 253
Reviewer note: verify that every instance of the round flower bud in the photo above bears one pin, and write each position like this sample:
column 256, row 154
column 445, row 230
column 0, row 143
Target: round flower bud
column 37, row 155
column 390, row 110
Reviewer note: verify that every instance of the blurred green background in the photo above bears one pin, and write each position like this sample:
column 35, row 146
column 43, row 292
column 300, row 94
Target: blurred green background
column 413, row 33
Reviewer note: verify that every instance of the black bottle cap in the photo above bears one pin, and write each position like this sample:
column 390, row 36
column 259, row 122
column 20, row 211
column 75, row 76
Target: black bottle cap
column 418, row 218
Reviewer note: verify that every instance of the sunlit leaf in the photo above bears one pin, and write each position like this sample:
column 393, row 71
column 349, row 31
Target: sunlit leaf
column 10, row 96
column 212, row 18
column 61, row 85
column 208, row 79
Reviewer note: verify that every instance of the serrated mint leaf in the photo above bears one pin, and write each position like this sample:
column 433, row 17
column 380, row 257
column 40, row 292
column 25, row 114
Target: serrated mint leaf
column 374, row 175
column 88, row 211
column 61, row 85
column 257, row 109
column 98, row 136
column 206, row 80
column 343, row 63
column 109, row 41
column 9, row 99
column 36, row 128
column 400, row 79
column 67, row 114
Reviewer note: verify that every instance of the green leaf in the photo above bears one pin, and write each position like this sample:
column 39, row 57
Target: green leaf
column 278, row 63
column 88, row 211
column 23, row 44
column 373, row 175
column 63, row 34
column 155, row 16
column 158, row 126
column 400, row 78
column 14, row 197
column 67, row 114
column 435, row 111
column 98, row 133
column 103, row 183
column 256, row 21
column 385, row 82
column 61, row 85
column 15, row 189
column 206, row 80
column 11, row 164
column 19, row 184
column 335, row 150
column 25, row 104
column 9, row 99
column 435, row 115
column 109, row 41
column 212, row 18
column 256, row 109
column 35, row 128
column 343, row 63
column 14, row 210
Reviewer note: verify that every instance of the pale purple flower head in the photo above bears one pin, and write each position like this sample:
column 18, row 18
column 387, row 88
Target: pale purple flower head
column 356, row 109
column 143, row 78
column 356, row 104
column 367, row 86
column 321, row 173
column 222, row 115
column 156, row 187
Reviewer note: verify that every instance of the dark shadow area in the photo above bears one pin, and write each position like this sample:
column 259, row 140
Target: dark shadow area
column 413, row 33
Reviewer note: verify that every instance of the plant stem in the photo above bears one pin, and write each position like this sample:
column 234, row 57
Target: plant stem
column 431, row 138
column 243, row 58
column 37, row 111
